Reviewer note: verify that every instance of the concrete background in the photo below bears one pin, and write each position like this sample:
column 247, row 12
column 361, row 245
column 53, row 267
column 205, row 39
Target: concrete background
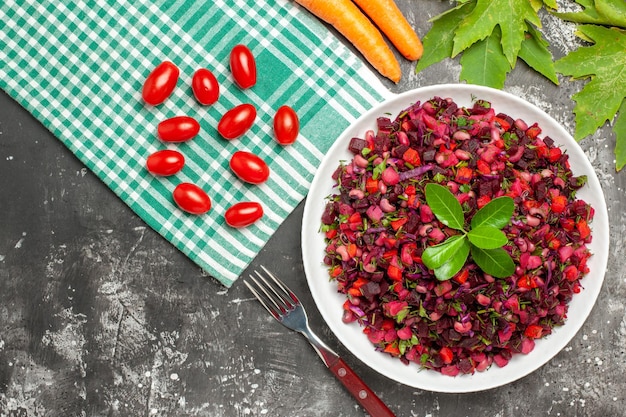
column 100, row 316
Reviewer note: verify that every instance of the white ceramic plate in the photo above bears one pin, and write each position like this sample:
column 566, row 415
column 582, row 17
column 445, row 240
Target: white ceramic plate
column 329, row 301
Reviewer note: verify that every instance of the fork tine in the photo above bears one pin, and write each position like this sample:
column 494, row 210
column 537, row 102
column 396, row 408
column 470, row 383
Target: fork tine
column 261, row 299
column 281, row 285
column 272, row 294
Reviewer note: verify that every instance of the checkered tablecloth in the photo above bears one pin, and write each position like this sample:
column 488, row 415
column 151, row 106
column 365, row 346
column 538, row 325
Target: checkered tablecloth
column 78, row 67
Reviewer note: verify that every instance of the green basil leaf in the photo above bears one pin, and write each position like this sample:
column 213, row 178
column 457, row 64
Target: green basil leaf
column 435, row 256
column 445, row 206
column 455, row 263
column 487, row 237
column 496, row 213
column 495, row 262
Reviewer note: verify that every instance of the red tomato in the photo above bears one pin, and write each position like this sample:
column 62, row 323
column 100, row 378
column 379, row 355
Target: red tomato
column 249, row 167
column 286, row 125
column 243, row 66
column 243, row 214
column 191, row 198
column 165, row 162
column 160, row 83
column 205, row 87
column 178, row 129
column 236, row 121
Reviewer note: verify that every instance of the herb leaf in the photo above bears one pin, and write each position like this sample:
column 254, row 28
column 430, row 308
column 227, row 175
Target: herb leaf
column 435, row 256
column 484, row 240
column 536, row 54
column 439, row 40
column 496, row 213
column 484, row 63
column 605, row 64
column 487, row 237
column 491, row 13
column 495, row 262
column 613, row 11
column 598, row 12
column 445, row 206
column 455, row 263
column 378, row 170
column 589, row 14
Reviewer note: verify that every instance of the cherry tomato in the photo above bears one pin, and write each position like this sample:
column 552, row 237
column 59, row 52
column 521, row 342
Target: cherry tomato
column 286, row 125
column 243, row 66
column 236, row 121
column 205, row 87
column 191, row 198
column 249, row 167
column 178, row 129
column 165, row 162
column 160, row 83
column 243, row 214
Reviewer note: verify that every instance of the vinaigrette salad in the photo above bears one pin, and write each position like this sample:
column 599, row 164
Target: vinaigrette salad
column 377, row 225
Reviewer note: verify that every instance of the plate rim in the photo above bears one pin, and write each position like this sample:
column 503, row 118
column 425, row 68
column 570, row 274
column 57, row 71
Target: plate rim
column 427, row 379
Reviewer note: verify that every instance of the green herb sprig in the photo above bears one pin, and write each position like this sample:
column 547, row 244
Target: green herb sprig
column 484, row 239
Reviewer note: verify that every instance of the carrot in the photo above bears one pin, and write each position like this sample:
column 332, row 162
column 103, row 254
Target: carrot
column 346, row 17
column 394, row 25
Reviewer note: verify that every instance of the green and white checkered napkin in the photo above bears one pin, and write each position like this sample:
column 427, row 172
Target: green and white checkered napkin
column 78, row 67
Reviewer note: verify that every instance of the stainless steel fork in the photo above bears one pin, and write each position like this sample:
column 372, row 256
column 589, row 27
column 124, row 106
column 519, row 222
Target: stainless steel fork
column 285, row 307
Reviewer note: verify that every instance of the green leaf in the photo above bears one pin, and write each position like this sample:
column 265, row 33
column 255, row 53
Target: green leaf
column 454, row 264
column 613, row 11
column 487, row 237
column 435, row 256
column 598, row 12
column 496, row 213
column 537, row 4
column 620, row 132
column 439, row 40
column 510, row 15
column 445, row 206
column 495, row 262
column 536, row 54
column 551, row 4
column 589, row 14
column 605, row 63
column 378, row 170
column 484, row 63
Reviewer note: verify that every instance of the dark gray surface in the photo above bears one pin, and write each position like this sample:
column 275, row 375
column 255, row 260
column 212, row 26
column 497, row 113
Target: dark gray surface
column 100, row 316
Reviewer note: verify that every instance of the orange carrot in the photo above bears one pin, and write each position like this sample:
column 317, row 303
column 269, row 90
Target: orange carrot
column 346, row 17
column 394, row 25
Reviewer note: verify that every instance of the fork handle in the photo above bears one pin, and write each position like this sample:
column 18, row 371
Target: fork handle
column 361, row 392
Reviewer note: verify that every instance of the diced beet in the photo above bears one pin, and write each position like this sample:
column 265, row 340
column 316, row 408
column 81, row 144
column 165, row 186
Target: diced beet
column 370, row 289
column 356, row 145
column 384, row 124
column 481, row 107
